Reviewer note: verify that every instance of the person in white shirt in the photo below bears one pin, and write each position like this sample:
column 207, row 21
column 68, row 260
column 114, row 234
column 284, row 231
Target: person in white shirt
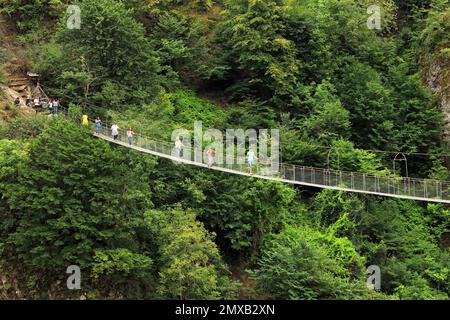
column 50, row 105
column 251, row 157
column 178, row 146
column 37, row 102
column 210, row 153
column 115, row 131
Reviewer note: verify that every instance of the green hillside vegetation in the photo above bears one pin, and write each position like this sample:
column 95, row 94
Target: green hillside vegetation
column 141, row 227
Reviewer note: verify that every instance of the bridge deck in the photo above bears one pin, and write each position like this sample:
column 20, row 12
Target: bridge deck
column 387, row 186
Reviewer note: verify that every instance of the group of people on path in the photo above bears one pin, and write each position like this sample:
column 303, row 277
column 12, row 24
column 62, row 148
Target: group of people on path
column 114, row 129
column 52, row 105
column 211, row 153
column 37, row 102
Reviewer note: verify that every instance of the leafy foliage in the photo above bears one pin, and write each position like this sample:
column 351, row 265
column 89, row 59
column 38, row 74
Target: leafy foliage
column 143, row 228
column 192, row 266
column 63, row 204
column 96, row 60
column 299, row 264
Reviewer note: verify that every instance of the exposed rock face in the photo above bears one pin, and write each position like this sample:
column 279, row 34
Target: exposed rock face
column 438, row 79
column 18, row 84
column 11, row 96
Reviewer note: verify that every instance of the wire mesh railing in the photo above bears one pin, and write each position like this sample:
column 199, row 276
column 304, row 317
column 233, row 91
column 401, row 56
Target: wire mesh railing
column 393, row 186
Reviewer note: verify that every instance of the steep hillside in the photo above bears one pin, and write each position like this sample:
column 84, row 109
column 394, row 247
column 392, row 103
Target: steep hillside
column 344, row 97
column 14, row 66
column 436, row 62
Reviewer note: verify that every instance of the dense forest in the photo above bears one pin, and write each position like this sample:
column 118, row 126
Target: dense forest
column 140, row 227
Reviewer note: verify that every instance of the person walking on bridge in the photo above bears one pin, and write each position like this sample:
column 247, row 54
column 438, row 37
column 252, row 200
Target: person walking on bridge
column 178, row 146
column 251, row 160
column 85, row 120
column 98, row 125
column 210, row 153
column 115, row 131
column 130, row 134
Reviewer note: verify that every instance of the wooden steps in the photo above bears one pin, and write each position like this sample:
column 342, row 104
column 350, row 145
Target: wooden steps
column 19, row 82
column 21, row 86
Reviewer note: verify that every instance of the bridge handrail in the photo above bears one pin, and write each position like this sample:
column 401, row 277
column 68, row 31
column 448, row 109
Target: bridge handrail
column 385, row 185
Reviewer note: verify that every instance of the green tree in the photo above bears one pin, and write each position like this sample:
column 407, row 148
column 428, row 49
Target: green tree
column 370, row 104
column 419, row 122
column 261, row 58
column 170, row 38
column 32, row 14
column 73, row 196
column 344, row 156
column 396, row 235
column 111, row 54
column 328, row 120
column 299, row 264
column 192, row 266
column 241, row 212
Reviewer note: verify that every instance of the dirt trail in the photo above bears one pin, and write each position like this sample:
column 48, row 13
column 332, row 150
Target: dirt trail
column 19, row 85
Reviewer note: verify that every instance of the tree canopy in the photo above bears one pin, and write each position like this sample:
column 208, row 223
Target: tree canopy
column 344, row 96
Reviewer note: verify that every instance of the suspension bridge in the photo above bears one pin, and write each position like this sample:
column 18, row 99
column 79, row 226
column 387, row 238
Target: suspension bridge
column 387, row 186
